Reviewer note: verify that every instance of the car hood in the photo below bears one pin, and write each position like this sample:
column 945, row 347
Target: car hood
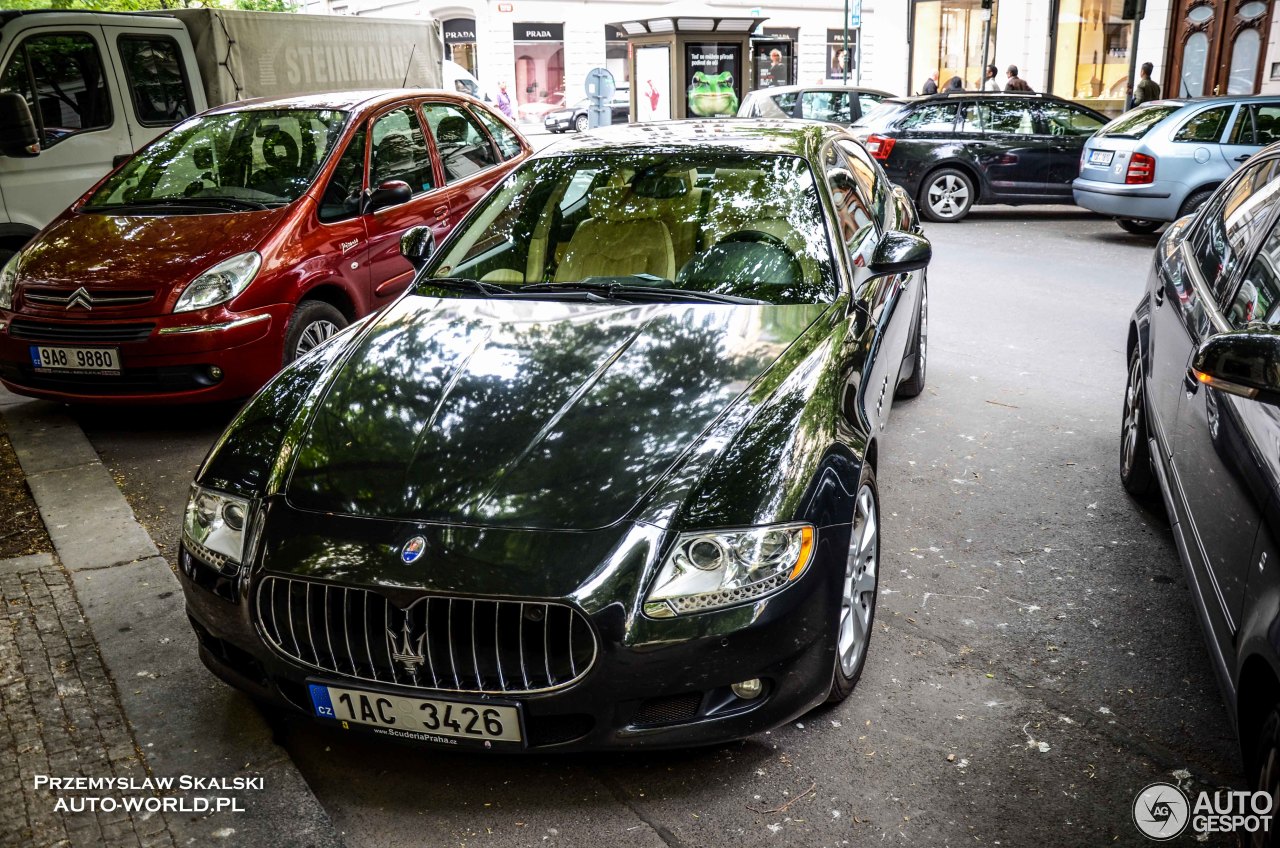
column 525, row 414
column 140, row 251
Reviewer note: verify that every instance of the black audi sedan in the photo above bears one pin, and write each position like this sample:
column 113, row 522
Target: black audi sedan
column 603, row 477
column 951, row 151
column 1201, row 427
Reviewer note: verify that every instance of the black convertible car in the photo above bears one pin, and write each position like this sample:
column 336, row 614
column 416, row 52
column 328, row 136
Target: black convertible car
column 604, row 477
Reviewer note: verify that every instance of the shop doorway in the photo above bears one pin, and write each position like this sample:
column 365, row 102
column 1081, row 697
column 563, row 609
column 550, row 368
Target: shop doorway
column 1217, row 47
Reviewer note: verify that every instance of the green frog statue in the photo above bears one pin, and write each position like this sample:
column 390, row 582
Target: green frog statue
column 712, row 95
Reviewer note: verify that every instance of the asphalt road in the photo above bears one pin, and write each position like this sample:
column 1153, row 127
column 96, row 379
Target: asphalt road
column 1036, row 659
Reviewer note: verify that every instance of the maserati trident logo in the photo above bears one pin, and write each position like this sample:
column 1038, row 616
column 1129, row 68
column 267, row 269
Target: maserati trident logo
column 80, row 297
column 409, row 651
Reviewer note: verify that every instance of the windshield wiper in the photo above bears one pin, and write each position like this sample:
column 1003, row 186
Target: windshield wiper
column 622, row 291
column 466, row 284
column 194, row 202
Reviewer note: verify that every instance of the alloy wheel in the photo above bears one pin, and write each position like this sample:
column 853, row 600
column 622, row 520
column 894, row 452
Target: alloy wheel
column 314, row 333
column 857, row 603
column 948, row 196
column 1132, row 427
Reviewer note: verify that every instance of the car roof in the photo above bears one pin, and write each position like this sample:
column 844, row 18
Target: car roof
column 952, row 95
column 347, row 101
column 1212, row 100
column 751, row 135
column 822, row 86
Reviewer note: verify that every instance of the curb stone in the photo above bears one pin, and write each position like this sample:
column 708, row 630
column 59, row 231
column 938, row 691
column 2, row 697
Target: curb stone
column 185, row 721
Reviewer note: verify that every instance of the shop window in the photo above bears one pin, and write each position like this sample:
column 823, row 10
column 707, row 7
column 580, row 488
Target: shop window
column 948, row 40
column 842, row 57
column 615, row 55
column 460, row 43
column 539, row 69
column 71, row 93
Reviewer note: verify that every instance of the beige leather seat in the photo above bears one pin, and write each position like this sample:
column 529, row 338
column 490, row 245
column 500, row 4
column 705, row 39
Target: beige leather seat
column 623, row 236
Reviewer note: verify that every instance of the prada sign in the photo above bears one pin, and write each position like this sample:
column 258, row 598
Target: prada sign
column 538, row 32
column 459, row 31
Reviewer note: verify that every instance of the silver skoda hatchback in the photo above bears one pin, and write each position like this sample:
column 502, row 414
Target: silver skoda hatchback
column 1162, row 160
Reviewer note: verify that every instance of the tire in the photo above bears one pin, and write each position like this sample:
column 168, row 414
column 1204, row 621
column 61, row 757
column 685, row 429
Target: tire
column 581, row 123
column 1266, row 777
column 914, row 385
column 312, row 322
column 953, row 194
column 1195, row 200
column 1139, row 226
column 859, row 588
column 1136, row 472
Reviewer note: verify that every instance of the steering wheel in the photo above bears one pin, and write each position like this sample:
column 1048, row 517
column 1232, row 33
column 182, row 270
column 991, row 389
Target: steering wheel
column 754, row 237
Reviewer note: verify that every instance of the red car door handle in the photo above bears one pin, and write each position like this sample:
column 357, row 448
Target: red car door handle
column 441, row 211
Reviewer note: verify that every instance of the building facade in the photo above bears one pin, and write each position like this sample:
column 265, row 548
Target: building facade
column 1078, row 49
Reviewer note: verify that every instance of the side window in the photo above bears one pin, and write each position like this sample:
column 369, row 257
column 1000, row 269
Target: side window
column 507, row 141
column 1066, row 120
column 70, row 93
column 934, row 117
column 1256, row 125
column 157, row 79
column 464, row 148
column 970, row 118
column 400, row 151
column 341, row 198
column 874, row 186
column 1231, row 225
column 854, row 217
column 867, row 102
column 1259, row 292
column 1007, row 117
column 826, row 106
column 1205, row 126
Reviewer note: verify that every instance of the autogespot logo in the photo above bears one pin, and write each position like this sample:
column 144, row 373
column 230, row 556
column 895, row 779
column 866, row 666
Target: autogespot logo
column 1161, row 811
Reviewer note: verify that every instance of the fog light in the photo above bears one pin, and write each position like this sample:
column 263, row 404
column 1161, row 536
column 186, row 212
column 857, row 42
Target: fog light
column 748, row 689
column 215, row 373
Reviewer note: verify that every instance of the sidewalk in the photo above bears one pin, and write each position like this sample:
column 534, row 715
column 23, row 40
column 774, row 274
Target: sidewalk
column 99, row 679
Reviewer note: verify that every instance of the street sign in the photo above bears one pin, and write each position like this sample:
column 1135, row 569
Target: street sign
column 855, row 14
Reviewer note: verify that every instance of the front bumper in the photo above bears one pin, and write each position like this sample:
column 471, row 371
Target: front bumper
column 1157, row 201
column 168, row 359
column 557, row 122
column 653, row 684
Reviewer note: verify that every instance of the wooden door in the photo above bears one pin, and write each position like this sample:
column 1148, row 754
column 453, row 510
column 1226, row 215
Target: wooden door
column 1217, row 47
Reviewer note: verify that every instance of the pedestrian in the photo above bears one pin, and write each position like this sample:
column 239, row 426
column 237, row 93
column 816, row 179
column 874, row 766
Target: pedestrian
column 989, row 81
column 953, row 84
column 931, row 84
column 1015, row 83
column 777, row 70
column 504, row 101
column 1147, row 89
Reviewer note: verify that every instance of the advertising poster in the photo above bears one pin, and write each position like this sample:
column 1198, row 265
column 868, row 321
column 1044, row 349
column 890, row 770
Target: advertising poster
column 713, row 72
column 653, row 84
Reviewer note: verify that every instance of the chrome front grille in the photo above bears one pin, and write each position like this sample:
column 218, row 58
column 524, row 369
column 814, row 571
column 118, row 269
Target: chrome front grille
column 474, row 645
column 85, row 299
column 85, row 331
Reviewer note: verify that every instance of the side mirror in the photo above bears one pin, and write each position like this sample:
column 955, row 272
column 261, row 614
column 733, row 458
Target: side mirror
column 18, row 136
column 417, row 244
column 390, row 193
column 1241, row 362
column 899, row 252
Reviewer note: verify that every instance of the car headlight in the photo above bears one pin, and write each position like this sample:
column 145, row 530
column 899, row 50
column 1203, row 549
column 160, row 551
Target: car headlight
column 214, row 526
column 707, row 571
column 220, row 283
column 9, row 280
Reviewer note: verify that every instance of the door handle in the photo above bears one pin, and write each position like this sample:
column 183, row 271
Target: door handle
column 1243, row 157
column 1160, row 295
column 441, row 211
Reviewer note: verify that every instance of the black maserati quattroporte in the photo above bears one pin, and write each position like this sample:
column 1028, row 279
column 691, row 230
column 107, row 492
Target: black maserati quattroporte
column 604, row 477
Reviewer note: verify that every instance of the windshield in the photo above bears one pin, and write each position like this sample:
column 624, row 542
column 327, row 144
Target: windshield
column 1136, row 123
column 257, row 158
column 880, row 116
column 724, row 224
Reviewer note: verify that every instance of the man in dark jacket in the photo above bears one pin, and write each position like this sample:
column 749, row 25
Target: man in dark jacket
column 931, row 85
column 1147, row 89
column 1015, row 83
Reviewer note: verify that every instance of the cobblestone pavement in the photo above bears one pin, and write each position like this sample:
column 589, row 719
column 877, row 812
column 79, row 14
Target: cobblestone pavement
column 61, row 717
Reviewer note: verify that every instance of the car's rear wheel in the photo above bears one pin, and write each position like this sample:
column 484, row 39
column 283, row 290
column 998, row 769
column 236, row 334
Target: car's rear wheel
column 858, row 590
column 1139, row 226
column 581, row 123
column 1267, row 778
column 914, row 384
column 1195, row 200
column 1135, row 452
column 312, row 322
column 947, row 195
